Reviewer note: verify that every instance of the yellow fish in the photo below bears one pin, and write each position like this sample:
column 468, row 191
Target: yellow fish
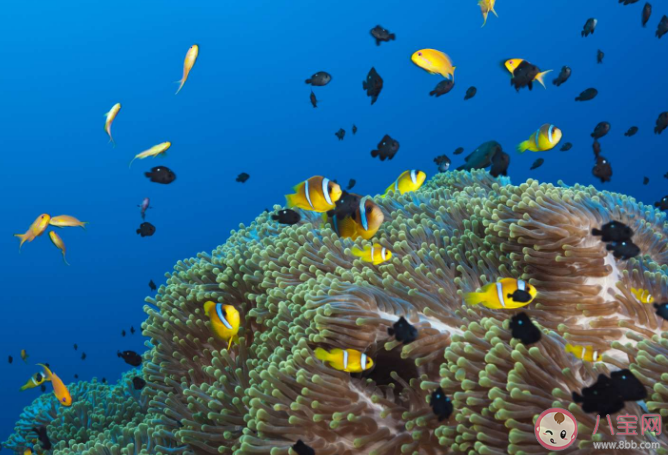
column 507, row 293
column 225, row 321
column 27, row 451
column 642, row 295
column 188, row 63
column 514, row 63
column 59, row 388
column 585, row 353
column 67, row 221
column 110, row 116
column 24, row 355
column 545, row 138
column 363, row 222
column 350, row 360
column 36, row 229
column 376, row 254
column 434, row 62
column 58, row 242
column 35, row 381
column 407, row 181
column 317, row 194
column 156, row 150
column 485, row 7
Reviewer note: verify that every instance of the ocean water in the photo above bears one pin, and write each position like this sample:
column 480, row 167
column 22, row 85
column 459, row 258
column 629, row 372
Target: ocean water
column 245, row 108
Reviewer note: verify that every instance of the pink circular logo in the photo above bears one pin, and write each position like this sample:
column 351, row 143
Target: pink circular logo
column 556, row 429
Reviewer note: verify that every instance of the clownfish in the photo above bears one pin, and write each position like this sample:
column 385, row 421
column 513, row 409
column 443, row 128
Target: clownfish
column 317, row 194
column 545, row 138
column 585, row 353
column 225, row 321
column 376, row 254
column 643, row 295
column 36, row 229
column 363, row 222
column 507, row 293
column 59, row 388
column 407, row 181
column 109, row 119
column 188, row 63
column 349, row 360
column 35, row 381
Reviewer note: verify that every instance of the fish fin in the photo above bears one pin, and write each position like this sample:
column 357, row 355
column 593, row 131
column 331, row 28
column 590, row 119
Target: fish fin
column 23, row 388
column 291, row 200
column 596, row 232
column 357, row 252
column 308, row 81
column 48, row 372
column 390, row 331
column 321, row 354
column 523, row 147
column 570, row 348
column 540, row 77
column 133, row 160
column 65, row 260
column 208, row 305
column 323, row 220
column 23, row 238
column 182, row 82
column 83, row 225
column 474, row 298
column 229, row 345
column 493, row 11
column 392, row 36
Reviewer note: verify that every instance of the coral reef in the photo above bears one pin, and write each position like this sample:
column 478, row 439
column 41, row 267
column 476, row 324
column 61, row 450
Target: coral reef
column 299, row 287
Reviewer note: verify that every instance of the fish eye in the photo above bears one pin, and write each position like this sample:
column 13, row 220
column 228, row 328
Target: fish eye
column 563, row 434
column 420, row 54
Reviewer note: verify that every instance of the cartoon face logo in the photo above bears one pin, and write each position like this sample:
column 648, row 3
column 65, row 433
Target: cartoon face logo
column 556, row 429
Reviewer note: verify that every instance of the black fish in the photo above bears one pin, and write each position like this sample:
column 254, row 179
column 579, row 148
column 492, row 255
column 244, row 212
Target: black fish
column 373, row 84
column 536, row 164
column 520, row 296
column 662, row 29
column 347, row 205
column 11, row 359
column 441, row 405
column 43, row 388
column 631, row 132
column 354, row 129
column 589, row 27
column 623, row 250
column 443, row 163
column 524, row 329
column 661, row 122
column 601, row 130
column 613, row 231
column 442, row 88
column 132, row 330
column 662, row 310
column 241, row 178
column 500, row 163
column 314, row 101
column 597, row 148
column 602, row 170
column 380, row 34
column 645, row 180
column 601, row 397
column 566, row 147
column 351, row 184
column 470, row 93
column 83, row 356
column 44, row 440
column 152, row 285
column 319, row 79
column 481, row 157
column 76, row 347
column 387, row 148
column 302, row 449
column 146, row 229
column 130, row 357
column 458, row 151
column 161, row 174
column 646, row 13
column 599, row 56
column 104, row 380
column 403, row 331
column 628, row 386
column 287, row 216
column 123, row 333
column 524, row 75
column 76, row 376
column 138, row 383
column 628, row 2
column 564, row 74
column 662, row 204
column 587, row 95
column 340, row 134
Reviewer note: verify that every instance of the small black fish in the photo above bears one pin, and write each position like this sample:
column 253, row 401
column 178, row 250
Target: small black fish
column 524, row 329
column 340, row 134
column 123, row 333
column 373, row 84
column 354, row 129
column 662, row 204
column 314, row 101
column 597, row 148
column 161, row 174
column 536, row 164
column 76, row 376
column 524, row 75
column 441, row 405
column 146, row 229
column 601, row 398
column 138, row 383
column 242, row 178
column 564, row 74
column 458, row 151
column 566, row 147
column 351, row 184
column 152, row 285
column 104, row 380
column 387, row 148
column 599, row 56
column 662, row 310
column 602, row 170
column 623, row 250
column 132, row 330
column 646, row 14
column 631, row 132
column 287, row 216
column 645, row 181
column 302, row 449
column 130, row 357
column 662, row 29
column 43, row 388
column 442, row 88
column 589, row 27
column 382, row 35
column 76, row 347
column 587, row 95
column 661, row 121
column 443, row 163
column 500, row 163
column 628, row 386
column 520, row 296
column 470, row 93
column 613, row 231
column 11, row 359
column 601, row 130
column 346, row 206
column 319, row 79
column 403, row 331
column 83, row 356
column 628, row 2
column 43, row 437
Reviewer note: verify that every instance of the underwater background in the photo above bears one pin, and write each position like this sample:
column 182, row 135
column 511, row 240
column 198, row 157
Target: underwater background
column 245, row 108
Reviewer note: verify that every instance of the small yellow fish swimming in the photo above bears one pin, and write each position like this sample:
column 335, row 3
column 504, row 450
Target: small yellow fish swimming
column 317, row 194
column 35, row 381
column 24, row 355
column 407, row 181
column 545, row 138
column 350, row 360
column 156, row 150
column 364, row 222
column 188, row 63
column 59, row 388
column 485, row 7
column 225, row 321
column 27, row 451
column 585, row 353
column 376, row 254
column 58, row 242
column 67, row 221
column 434, row 62
column 507, row 293
column 643, row 295
column 110, row 116
column 36, row 229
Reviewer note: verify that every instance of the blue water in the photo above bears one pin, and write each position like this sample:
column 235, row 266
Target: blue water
column 245, row 108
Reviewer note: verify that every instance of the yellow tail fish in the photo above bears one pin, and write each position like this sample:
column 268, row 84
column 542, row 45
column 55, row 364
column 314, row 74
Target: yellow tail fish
column 24, row 355
column 35, row 381
column 349, row 360
column 110, row 116
column 514, row 63
column 434, row 62
column 156, row 150
column 59, row 388
column 58, row 242
column 67, row 221
column 407, row 181
column 485, row 7
column 36, row 229
column 507, row 293
column 545, row 138
column 586, row 353
column 317, row 194
column 188, row 63
column 225, row 321
column 376, row 254
column 363, row 222
column 643, row 295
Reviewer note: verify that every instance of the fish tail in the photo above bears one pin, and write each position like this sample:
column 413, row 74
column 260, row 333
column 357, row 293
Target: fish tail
column 321, row 354
column 453, row 73
column 229, row 345
column 596, row 232
column 308, row 81
column 392, row 36
column 540, row 77
column 208, row 305
column 493, row 11
column 83, row 225
column 133, row 160
column 357, row 252
column 48, row 372
column 474, row 298
column 291, row 200
column 181, row 81
column 65, row 260
column 577, row 351
column 484, row 22
column 25, row 387
column 523, row 147
column 23, row 238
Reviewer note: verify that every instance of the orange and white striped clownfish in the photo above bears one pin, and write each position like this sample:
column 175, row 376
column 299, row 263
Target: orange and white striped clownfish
column 357, row 217
column 317, row 194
